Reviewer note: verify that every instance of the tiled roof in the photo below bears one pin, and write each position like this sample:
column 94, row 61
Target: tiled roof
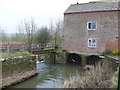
column 93, row 6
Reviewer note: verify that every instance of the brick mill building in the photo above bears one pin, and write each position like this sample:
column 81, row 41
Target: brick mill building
column 91, row 28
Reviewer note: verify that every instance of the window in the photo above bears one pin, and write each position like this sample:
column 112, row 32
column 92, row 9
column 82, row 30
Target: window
column 91, row 42
column 92, row 25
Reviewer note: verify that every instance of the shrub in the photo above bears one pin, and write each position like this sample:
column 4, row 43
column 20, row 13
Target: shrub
column 116, row 52
column 99, row 76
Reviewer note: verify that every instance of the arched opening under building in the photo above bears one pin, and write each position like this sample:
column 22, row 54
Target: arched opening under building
column 92, row 60
column 73, row 58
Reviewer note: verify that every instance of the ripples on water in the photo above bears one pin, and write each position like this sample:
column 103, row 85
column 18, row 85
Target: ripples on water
column 50, row 76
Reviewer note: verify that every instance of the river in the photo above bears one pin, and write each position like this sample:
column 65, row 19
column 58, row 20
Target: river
column 50, row 76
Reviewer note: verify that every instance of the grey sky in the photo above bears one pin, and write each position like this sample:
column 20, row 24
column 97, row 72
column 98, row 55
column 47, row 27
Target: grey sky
column 43, row 11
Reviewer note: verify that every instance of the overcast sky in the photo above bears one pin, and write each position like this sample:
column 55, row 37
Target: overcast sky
column 43, row 11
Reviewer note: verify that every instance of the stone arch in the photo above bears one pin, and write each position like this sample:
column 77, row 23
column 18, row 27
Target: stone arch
column 74, row 58
column 92, row 60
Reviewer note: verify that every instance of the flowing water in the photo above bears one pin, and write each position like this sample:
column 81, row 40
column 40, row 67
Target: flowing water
column 50, row 76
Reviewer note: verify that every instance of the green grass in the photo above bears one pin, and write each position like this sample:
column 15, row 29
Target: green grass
column 8, row 38
column 47, row 48
column 59, row 47
column 15, row 54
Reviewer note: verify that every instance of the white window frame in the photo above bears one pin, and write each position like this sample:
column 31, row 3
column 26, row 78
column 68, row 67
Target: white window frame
column 91, row 25
column 92, row 44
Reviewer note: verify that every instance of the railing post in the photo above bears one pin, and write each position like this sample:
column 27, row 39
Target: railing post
column 22, row 47
column 8, row 48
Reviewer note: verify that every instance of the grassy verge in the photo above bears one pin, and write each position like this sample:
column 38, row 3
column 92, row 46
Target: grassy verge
column 15, row 54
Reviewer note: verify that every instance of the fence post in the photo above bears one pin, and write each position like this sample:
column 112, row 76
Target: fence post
column 8, row 48
column 22, row 47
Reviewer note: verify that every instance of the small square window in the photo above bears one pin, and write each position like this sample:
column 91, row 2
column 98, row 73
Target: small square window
column 91, row 25
column 91, row 42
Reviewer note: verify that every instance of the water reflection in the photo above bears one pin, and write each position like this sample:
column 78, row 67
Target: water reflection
column 50, row 76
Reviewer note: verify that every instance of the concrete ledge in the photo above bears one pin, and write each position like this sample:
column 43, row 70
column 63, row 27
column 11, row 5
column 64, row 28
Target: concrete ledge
column 86, row 54
column 17, row 78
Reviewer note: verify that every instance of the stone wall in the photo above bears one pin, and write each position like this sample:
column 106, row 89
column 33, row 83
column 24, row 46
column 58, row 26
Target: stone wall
column 59, row 57
column 16, row 65
column 17, row 69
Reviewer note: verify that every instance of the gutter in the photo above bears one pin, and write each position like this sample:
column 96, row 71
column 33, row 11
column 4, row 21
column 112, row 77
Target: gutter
column 90, row 12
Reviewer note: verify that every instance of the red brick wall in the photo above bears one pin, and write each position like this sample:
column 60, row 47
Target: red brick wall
column 76, row 34
column 110, row 45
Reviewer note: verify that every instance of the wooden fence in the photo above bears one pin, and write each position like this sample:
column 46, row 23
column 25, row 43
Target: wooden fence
column 24, row 47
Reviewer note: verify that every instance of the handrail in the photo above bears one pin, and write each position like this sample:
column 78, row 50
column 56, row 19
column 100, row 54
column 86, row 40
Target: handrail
column 25, row 47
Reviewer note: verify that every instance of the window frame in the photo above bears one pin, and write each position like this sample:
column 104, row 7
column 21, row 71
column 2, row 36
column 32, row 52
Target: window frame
column 95, row 44
column 91, row 25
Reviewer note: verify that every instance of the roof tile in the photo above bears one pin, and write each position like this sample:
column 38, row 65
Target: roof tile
column 97, row 6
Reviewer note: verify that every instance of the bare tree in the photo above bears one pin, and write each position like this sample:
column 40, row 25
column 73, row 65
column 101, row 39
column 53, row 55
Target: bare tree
column 43, row 35
column 26, row 31
column 2, row 35
column 56, row 28
column 51, row 33
column 59, row 29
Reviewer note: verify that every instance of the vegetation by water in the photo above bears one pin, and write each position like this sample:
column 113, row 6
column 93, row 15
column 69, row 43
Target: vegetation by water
column 112, row 53
column 116, row 80
column 97, row 77
column 116, row 52
column 15, row 54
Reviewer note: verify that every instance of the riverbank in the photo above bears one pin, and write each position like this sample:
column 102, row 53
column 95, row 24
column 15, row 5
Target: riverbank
column 96, row 77
column 17, row 78
column 116, row 80
column 17, row 67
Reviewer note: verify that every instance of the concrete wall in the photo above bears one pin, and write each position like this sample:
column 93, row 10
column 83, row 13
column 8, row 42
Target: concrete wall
column 76, row 34
column 59, row 57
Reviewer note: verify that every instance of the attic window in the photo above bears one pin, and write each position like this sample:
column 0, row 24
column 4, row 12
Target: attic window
column 91, row 42
column 91, row 25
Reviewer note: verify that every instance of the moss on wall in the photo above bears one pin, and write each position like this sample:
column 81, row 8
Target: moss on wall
column 61, row 57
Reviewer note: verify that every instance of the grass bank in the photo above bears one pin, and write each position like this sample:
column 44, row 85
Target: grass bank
column 15, row 54
column 100, row 76
column 17, row 78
